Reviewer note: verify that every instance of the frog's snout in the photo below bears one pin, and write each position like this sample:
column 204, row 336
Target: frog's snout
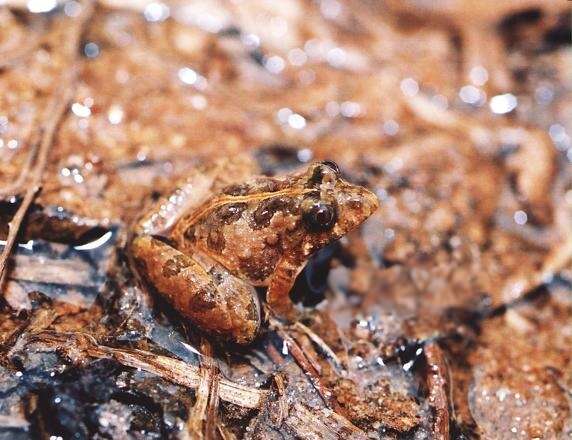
column 371, row 202
column 355, row 204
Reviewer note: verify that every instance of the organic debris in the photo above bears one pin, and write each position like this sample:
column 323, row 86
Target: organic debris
column 448, row 314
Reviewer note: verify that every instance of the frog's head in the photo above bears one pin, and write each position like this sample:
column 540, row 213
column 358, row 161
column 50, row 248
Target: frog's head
column 331, row 206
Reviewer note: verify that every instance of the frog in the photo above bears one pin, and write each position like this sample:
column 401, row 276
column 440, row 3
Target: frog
column 224, row 232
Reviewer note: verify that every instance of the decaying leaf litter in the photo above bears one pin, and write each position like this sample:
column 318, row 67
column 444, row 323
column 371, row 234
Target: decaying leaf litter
column 447, row 314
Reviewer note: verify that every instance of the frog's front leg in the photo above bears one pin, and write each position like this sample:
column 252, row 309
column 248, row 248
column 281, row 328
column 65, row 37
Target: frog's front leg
column 200, row 289
column 281, row 283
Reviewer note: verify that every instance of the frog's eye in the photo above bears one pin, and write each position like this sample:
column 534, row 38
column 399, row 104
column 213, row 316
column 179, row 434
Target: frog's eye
column 320, row 217
column 333, row 166
column 326, row 171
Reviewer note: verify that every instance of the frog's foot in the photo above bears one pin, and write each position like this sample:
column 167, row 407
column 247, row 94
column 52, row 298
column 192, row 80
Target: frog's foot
column 202, row 291
column 285, row 311
column 278, row 295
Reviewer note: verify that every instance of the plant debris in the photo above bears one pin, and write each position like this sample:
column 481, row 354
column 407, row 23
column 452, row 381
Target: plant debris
column 448, row 314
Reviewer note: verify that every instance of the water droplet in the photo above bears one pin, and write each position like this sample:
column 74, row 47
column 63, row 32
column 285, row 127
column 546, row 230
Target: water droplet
column 275, row 64
column 283, row 114
column 544, row 94
column 502, row 393
column 188, row 75
column 115, row 114
column 330, row 8
column 97, row 243
column 251, row 40
column 297, row 57
column 78, row 178
column 407, row 365
column 91, row 50
column 199, row 102
column 80, row 110
column 312, row 48
column 520, row 217
column 557, row 132
column 332, row 109
column 455, row 241
column 471, row 95
column 568, row 196
column 350, row 109
column 306, row 76
column 305, row 155
column 156, row 11
column 72, row 8
column 409, row 87
column 390, row 127
column 502, row 104
column 336, row 57
column 479, row 75
column 296, row 121
column 3, row 124
column 39, row 6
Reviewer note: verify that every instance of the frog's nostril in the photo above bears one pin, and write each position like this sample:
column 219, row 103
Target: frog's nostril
column 355, row 204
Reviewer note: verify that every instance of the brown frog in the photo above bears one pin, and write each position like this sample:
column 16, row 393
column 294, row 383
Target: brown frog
column 206, row 246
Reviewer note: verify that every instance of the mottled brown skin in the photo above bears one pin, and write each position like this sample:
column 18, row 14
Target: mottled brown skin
column 220, row 236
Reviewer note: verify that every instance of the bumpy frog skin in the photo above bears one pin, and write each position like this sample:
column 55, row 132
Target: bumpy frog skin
column 205, row 247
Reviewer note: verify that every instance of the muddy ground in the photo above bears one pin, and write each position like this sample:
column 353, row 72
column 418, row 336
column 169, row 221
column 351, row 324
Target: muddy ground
column 448, row 314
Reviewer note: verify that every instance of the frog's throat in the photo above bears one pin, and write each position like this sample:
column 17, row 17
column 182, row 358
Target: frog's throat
column 223, row 200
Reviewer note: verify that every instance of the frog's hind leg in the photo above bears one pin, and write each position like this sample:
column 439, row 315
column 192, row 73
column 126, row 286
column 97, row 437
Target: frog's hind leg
column 205, row 292
column 190, row 192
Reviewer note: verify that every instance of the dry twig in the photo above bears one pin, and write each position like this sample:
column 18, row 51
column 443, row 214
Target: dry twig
column 282, row 403
column 173, row 370
column 436, row 378
column 203, row 415
column 312, row 424
column 41, row 319
column 308, row 366
column 320, row 343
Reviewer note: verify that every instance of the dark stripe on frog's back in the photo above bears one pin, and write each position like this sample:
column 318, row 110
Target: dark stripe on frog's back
column 265, row 210
column 258, row 185
column 250, row 193
column 215, row 220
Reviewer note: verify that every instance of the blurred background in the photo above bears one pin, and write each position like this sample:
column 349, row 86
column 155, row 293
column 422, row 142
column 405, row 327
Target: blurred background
column 447, row 315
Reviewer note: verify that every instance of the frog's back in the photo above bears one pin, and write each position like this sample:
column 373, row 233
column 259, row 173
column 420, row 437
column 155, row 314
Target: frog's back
column 247, row 227
column 192, row 193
